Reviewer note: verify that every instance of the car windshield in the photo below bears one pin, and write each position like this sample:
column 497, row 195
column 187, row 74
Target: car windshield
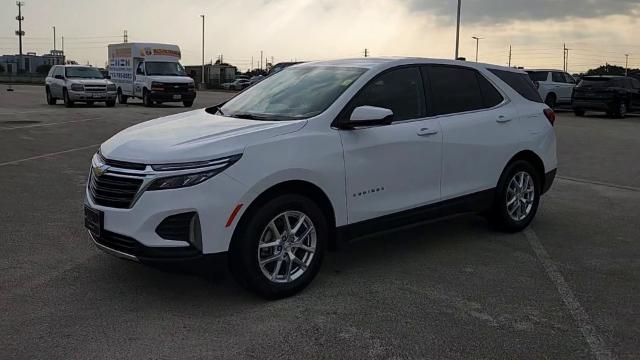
column 164, row 69
column 598, row 82
column 538, row 75
column 83, row 73
column 294, row 93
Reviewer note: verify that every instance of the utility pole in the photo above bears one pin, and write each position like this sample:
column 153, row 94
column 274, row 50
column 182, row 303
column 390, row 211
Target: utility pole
column 260, row 60
column 458, row 30
column 125, row 36
column 252, row 63
column 272, row 61
column 477, row 45
column 366, row 52
column 202, row 79
column 509, row 55
column 566, row 58
column 20, row 33
column 54, row 38
column 62, row 43
column 626, row 65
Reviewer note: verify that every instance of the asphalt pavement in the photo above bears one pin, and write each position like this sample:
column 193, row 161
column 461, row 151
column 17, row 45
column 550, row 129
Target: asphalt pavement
column 568, row 287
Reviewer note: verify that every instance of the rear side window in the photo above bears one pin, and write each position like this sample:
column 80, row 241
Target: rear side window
column 490, row 95
column 558, row 77
column 454, row 90
column 538, row 75
column 521, row 83
column 399, row 90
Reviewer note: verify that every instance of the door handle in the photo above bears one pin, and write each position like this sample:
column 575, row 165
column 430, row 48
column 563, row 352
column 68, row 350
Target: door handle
column 503, row 119
column 427, row 132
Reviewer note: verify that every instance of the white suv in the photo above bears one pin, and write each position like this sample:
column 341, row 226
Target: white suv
column 319, row 152
column 77, row 83
column 554, row 86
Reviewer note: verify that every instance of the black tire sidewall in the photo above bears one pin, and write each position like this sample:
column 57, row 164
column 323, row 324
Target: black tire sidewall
column 500, row 216
column 65, row 98
column 244, row 248
column 146, row 99
column 551, row 100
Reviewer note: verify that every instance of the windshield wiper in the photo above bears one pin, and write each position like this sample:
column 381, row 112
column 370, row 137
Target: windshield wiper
column 249, row 116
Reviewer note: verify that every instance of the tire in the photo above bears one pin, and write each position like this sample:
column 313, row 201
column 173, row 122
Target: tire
column 187, row 103
column 620, row 110
column 65, row 97
column 110, row 103
column 50, row 99
column 551, row 100
column 255, row 229
column 146, row 98
column 579, row 112
column 505, row 217
column 122, row 99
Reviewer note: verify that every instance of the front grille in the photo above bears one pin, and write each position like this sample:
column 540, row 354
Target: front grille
column 125, row 164
column 175, row 88
column 95, row 88
column 176, row 227
column 113, row 191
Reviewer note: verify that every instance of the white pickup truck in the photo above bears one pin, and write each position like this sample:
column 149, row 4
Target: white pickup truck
column 554, row 86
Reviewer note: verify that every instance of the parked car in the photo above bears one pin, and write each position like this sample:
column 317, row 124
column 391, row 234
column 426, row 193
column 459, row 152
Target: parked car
column 319, row 153
column 256, row 79
column 237, row 84
column 554, row 86
column 615, row 95
column 77, row 83
column 281, row 66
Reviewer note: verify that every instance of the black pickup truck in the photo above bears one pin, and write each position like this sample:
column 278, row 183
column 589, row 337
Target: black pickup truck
column 615, row 95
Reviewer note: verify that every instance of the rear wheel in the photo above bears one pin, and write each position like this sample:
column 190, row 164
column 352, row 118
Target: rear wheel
column 50, row 99
column 122, row 99
column 278, row 250
column 110, row 103
column 187, row 103
column 579, row 112
column 551, row 100
column 517, row 197
column 65, row 98
column 620, row 110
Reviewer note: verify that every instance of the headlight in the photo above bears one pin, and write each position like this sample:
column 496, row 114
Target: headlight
column 157, row 86
column 111, row 87
column 208, row 169
column 77, row 87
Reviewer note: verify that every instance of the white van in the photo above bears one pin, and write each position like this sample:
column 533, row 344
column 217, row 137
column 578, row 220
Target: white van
column 151, row 72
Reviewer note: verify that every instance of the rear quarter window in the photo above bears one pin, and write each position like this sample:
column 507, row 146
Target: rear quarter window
column 538, row 75
column 519, row 82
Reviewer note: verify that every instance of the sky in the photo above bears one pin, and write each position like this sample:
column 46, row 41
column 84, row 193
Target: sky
column 595, row 31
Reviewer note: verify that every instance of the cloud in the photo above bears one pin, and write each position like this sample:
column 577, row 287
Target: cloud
column 503, row 11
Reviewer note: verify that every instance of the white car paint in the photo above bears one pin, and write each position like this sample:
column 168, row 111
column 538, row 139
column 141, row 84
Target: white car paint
column 557, row 83
column 365, row 173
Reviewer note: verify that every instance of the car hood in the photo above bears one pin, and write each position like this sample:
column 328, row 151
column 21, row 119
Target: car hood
column 191, row 136
column 171, row 79
column 90, row 81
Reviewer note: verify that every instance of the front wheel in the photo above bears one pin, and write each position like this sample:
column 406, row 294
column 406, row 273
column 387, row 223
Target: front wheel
column 65, row 98
column 50, row 99
column 278, row 250
column 620, row 110
column 110, row 103
column 579, row 112
column 551, row 100
column 517, row 197
column 146, row 98
column 187, row 103
column 122, row 99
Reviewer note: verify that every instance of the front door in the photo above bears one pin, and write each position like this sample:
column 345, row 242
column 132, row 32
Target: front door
column 396, row 167
column 139, row 78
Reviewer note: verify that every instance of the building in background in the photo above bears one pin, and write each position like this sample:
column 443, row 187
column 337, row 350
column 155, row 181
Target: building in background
column 30, row 61
column 214, row 74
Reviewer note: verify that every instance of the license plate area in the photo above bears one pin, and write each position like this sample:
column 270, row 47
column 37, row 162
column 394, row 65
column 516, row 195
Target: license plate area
column 93, row 220
column 177, row 97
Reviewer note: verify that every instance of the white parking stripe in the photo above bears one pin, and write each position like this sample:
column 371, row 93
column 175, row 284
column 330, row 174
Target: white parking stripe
column 600, row 183
column 48, row 124
column 47, row 155
column 597, row 345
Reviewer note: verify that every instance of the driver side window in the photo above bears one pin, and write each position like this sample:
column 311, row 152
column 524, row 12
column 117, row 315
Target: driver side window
column 140, row 69
column 399, row 90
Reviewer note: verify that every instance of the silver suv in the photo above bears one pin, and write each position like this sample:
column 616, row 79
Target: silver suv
column 77, row 83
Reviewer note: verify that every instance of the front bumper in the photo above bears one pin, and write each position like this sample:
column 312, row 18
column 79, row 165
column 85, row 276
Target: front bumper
column 89, row 96
column 128, row 248
column 172, row 96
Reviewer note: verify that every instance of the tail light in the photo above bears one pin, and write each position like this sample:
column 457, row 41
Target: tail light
column 551, row 116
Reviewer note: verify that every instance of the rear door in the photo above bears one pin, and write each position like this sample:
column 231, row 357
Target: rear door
column 396, row 167
column 478, row 130
column 562, row 87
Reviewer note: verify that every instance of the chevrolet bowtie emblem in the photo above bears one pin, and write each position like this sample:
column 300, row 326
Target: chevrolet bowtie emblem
column 100, row 170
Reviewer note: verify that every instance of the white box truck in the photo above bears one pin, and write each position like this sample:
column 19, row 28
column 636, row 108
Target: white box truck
column 151, row 72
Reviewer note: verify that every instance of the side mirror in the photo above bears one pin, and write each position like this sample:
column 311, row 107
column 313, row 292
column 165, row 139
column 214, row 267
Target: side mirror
column 370, row 116
column 59, row 77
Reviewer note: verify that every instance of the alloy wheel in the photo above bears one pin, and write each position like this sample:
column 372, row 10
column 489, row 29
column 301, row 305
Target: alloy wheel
column 287, row 247
column 520, row 196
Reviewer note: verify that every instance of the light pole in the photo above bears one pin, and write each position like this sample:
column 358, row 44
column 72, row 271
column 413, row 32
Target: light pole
column 202, row 82
column 458, row 30
column 54, row 38
column 626, row 65
column 477, row 45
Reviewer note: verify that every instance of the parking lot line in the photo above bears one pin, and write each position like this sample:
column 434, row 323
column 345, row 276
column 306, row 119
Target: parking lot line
column 13, row 162
column 48, row 124
column 592, row 182
column 597, row 345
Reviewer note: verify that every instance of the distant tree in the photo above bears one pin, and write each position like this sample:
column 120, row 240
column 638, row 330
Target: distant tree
column 43, row 69
column 607, row 70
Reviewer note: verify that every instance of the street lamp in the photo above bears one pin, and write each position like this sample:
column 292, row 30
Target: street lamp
column 477, row 45
column 458, row 30
column 202, row 82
